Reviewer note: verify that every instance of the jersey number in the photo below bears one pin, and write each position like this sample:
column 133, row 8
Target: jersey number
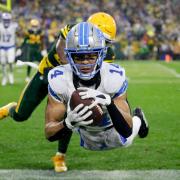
column 6, row 37
column 116, row 71
column 56, row 73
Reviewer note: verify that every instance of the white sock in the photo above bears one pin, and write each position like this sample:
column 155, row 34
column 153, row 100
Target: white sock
column 136, row 126
column 4, row 71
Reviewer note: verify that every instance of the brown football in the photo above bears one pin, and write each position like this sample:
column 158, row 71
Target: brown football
column 97, row 114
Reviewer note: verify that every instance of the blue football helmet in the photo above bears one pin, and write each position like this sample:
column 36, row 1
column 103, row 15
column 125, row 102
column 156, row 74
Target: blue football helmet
column 83, row 40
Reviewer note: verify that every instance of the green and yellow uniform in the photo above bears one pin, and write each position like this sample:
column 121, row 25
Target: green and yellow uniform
column 32, row 45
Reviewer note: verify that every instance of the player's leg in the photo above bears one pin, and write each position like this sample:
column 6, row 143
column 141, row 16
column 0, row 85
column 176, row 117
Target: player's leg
column 144, row 128
column 4, row 75
column 11, row 59
column 63, row 137
column 59, row 159
column 140, row 126
column 3, row 64
column 32, row 95
column 28, row 72
column 38, row 55
column 28, row 57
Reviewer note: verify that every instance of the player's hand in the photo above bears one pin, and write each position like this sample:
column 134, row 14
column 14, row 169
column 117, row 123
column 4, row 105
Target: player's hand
column 78, row 116
column 99, row 97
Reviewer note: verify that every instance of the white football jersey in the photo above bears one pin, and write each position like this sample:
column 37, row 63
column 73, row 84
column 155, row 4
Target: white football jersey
column 113, row 82
column 8, row 35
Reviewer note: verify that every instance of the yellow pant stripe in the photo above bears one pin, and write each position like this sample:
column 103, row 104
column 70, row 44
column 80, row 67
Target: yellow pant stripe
column 21, row 97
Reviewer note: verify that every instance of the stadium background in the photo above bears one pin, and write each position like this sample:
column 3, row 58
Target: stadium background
column 152, row 84
column 146, row 29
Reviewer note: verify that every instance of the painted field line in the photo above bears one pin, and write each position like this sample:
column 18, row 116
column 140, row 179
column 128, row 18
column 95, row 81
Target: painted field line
column 154, row 81
column 90, row 175
column 171, row 71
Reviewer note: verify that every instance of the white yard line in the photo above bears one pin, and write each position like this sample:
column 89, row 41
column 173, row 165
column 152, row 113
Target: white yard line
column 171, row 71
column 154, row 81
column 90, row 175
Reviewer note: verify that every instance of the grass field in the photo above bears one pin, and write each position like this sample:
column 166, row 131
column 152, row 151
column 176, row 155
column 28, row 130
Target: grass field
column 155, row 86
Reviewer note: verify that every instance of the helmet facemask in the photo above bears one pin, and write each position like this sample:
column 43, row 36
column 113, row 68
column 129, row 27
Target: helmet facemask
column 85, row 52
column 89, row 70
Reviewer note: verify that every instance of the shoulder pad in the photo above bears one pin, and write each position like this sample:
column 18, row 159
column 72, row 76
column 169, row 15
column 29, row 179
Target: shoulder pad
column 113, row 79
column 57, row 79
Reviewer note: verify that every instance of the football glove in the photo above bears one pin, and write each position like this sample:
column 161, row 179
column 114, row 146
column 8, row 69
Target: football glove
column 99, row 97
column 78, row 116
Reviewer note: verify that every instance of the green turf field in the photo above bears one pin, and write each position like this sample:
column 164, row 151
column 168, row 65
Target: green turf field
column 155, row 86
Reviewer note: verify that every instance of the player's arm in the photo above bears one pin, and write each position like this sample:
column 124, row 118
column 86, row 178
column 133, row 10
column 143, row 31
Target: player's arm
column 123, row 106
column 54, row 123
column 54, row 114
column 119, row 112
column 56, row 55
column 60, row 45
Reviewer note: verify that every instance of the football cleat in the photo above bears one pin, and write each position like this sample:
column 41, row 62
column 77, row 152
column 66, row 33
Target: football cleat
column 59, row 163
column 144, row 128
column 4, row 111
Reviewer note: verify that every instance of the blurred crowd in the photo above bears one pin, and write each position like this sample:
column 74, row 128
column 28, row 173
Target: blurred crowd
column 146, row 29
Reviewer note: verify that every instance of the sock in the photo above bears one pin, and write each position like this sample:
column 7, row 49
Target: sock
column 136, row 126
column 11, row 68
column 4, row 73
column 64, row 141
column 28, row 71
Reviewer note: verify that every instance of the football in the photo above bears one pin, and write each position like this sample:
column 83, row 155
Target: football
column 97, row 114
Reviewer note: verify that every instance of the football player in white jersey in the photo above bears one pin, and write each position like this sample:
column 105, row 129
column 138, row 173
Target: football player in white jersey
column 7, row 44
column 105, row 83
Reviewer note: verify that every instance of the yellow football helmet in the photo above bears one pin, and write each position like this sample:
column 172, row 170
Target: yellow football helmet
column 34, row 23
column 105, row 23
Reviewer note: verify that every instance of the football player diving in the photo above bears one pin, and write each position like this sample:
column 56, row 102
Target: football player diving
column 37, row 89
column 105, row 83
